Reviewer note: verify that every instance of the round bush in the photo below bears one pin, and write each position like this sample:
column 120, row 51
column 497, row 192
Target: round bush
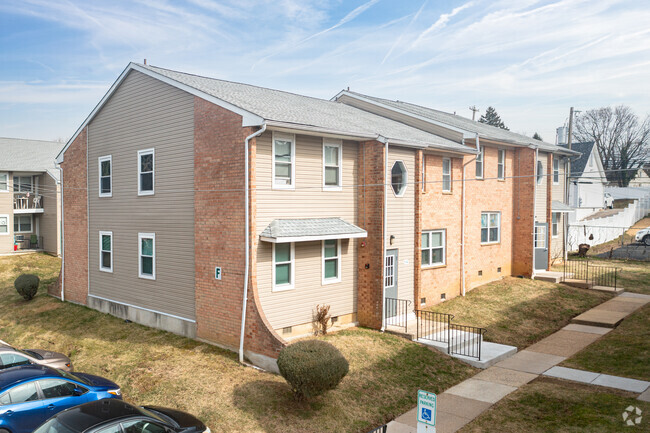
column 312, row 367
column 27, row 285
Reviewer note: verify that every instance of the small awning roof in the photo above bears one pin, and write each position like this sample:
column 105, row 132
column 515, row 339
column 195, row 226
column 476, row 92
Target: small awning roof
column 310, row 229
column 558, row 206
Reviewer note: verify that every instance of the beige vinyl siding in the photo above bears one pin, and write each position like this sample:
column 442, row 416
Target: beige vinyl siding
column 7, row 208
column 145, row 113
column 401, row 221
column 307, row 200
column 541, row 190
column 50, row 219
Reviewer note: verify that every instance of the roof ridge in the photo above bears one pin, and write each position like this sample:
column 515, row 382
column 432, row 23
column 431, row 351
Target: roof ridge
column 32, row 139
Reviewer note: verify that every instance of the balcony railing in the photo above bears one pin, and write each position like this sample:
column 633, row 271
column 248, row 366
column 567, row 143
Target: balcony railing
column 28, row 201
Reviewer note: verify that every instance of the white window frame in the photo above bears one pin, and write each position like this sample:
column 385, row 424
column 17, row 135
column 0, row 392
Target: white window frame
column 480, row 160
column 430, row 248
column 498, row 240
column 555, row 225
column 501, row 164
column 8, row 228
column 101, row 250
column 31, row 182
column 108, row 158
column 285, row 137
column 406, row 178
column 556, row 171
column 6, row 175
column 539, row 237
column 153, row 171
column 153, row 264
column 446, row 174
column 331, row 142
column 539, row 174
column 31, row 224
column 292, row 274
column 336, row 279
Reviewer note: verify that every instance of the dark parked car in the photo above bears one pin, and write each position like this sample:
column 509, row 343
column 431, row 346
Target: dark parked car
column 115, row 416
column 30, row 394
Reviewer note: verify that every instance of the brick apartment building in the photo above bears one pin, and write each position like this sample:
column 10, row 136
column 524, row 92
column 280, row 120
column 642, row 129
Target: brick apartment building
column 206, row 199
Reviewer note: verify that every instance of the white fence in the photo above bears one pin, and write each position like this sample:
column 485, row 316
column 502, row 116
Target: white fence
column 600, row 230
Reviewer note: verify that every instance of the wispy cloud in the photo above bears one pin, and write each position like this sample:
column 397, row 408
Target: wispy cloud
column 401, row 36
column 441, row 22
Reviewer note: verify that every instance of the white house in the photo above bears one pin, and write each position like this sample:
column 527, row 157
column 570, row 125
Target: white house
column 586, row 181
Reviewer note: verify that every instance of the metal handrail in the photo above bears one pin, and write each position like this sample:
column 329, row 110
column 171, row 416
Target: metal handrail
column 401, row 309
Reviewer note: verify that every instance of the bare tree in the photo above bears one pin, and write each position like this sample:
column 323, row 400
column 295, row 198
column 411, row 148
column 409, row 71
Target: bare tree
column 622, row 139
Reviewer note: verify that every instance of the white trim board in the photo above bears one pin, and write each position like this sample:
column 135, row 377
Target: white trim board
column 283, row 240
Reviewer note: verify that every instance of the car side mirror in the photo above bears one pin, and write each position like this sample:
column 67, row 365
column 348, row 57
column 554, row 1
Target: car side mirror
column 77, row 392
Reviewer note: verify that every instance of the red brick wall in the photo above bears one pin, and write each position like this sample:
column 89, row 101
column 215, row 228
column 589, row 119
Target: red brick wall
column 75, row 220
column 523, row 212
column 371, row 218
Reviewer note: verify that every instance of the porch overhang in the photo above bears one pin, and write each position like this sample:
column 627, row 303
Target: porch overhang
column 558, row 206
column 310, row 229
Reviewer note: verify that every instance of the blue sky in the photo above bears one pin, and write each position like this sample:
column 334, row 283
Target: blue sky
column 530, row 59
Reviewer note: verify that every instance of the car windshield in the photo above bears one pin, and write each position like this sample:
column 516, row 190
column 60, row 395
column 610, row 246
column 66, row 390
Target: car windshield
column 53, row 426
column 152, row 414
column 30, row 353
column 73, row 377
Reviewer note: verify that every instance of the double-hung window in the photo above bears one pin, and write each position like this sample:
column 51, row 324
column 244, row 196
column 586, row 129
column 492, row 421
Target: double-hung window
column 284, row 157
column 4, row 182
column 433, row 248
column 4, row 224
column 556, row 171
column 501, row 165
column 446, row 174
column 146, row 177
column 22, row 223
column 105, row 176
column 555, row 221
column 283, row 266
column 331, row 261
column 332, row 164
column 479, row 163
column 147, row 255
column 22, row 183
column 490, row 227
column 106, row 251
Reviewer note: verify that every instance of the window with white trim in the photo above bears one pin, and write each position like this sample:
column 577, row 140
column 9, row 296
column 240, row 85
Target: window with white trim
column 490, row 227
column 332, row 150
column 22, row 223
column 540, row 237
column 446, row 174
column 555, row 222
column 501, row 165
column 105, row 176
column 540, row 172
column 556, row 171
column 4, row 182
column 22, row 184
column 433, row 248
column 4, row 224
column 479, row 163
column 331, row 261
column 284, row 156
column 147, row 255
column 106, row 251
column 398, row 178
column 283, row 266
column 146, row 176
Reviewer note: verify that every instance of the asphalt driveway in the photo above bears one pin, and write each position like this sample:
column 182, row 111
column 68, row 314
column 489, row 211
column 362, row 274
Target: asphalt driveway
column 635, row 251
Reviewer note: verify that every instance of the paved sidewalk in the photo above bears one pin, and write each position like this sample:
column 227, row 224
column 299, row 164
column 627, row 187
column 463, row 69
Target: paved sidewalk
column 462, row 403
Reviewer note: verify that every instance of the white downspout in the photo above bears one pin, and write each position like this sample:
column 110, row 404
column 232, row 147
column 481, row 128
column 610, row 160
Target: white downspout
column 462, row 219
column 535, row 205
column 62, row 237
column 383, row 234
column 247, row 242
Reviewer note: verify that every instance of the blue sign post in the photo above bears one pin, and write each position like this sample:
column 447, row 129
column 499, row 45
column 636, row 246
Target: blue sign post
column 426, row 412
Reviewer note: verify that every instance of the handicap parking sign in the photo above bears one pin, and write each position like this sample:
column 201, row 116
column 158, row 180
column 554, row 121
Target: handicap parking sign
column 426, row 414
column 426, row 408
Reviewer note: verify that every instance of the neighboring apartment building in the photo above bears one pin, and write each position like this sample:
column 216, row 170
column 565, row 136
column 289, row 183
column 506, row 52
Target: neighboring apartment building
column 641, row 178
column 336, row 200
column 30, row 214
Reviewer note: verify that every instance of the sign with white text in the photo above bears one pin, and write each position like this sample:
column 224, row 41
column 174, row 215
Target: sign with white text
column 426, row 411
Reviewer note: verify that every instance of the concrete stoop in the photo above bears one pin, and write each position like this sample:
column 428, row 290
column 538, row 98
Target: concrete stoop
column 491, row 353
column 549, row 276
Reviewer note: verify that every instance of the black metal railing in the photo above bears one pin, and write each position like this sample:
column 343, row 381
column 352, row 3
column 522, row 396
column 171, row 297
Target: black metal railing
column 460, row 339
column 397, row 311
column 433, row 326
column 381, row 429
column 595, row 275
column 466, row 340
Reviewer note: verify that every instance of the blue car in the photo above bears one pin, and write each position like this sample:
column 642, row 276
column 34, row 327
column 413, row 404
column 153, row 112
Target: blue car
column 30, row 394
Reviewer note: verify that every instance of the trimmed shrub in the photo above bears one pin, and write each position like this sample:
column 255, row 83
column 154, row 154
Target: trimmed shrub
column 312, row 367
column 27, row 285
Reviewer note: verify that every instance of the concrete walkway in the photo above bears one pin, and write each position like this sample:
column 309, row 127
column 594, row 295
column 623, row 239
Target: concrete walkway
column 462, row 403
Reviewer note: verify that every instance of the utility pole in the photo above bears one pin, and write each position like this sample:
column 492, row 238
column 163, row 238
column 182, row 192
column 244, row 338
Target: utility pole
column 567, row 185
column 569, row 138
column 474, row 110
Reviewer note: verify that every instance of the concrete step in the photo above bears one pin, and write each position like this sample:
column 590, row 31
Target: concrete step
column 491, row 353
column 459, row 338
column 549, row 276
column 608, row 289
column 581, row 284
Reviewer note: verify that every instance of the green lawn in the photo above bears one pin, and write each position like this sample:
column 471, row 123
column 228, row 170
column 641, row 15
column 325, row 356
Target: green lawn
column 156, row 367
column 548, row 405
column 625, row 351
column 520, row 312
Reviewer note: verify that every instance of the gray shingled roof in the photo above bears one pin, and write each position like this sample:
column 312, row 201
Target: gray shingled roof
column 558, row 206
column 484, row 130
column 296, row 109
column 578, row 165
column 17, row 154
column 313, row 228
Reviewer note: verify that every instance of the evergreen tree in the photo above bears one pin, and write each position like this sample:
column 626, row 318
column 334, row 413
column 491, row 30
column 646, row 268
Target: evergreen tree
column 538, row 137
column 491, row 117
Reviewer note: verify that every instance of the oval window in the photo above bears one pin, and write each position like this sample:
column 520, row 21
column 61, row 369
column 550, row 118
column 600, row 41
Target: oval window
column 398, row 178
column 540, row 172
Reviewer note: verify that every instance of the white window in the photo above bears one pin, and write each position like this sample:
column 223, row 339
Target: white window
column 490, row 227
column 479, row 163
column 433, row 248
column 556, row 171
column 540, row 237
column 332, row 150
column 105, row 176
column 106, row 251
column 22, row 183
column 4, row 182
column 555, row 220
column 398, row 178
column 540, row 172
column 331, row 261
column 147, row 255
column 146, row 177
column 501, row 165
column 283, row 266
column 389, row 271
column 22, row 223
column 284, row 156
column 446, row 174
column 4, row 224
